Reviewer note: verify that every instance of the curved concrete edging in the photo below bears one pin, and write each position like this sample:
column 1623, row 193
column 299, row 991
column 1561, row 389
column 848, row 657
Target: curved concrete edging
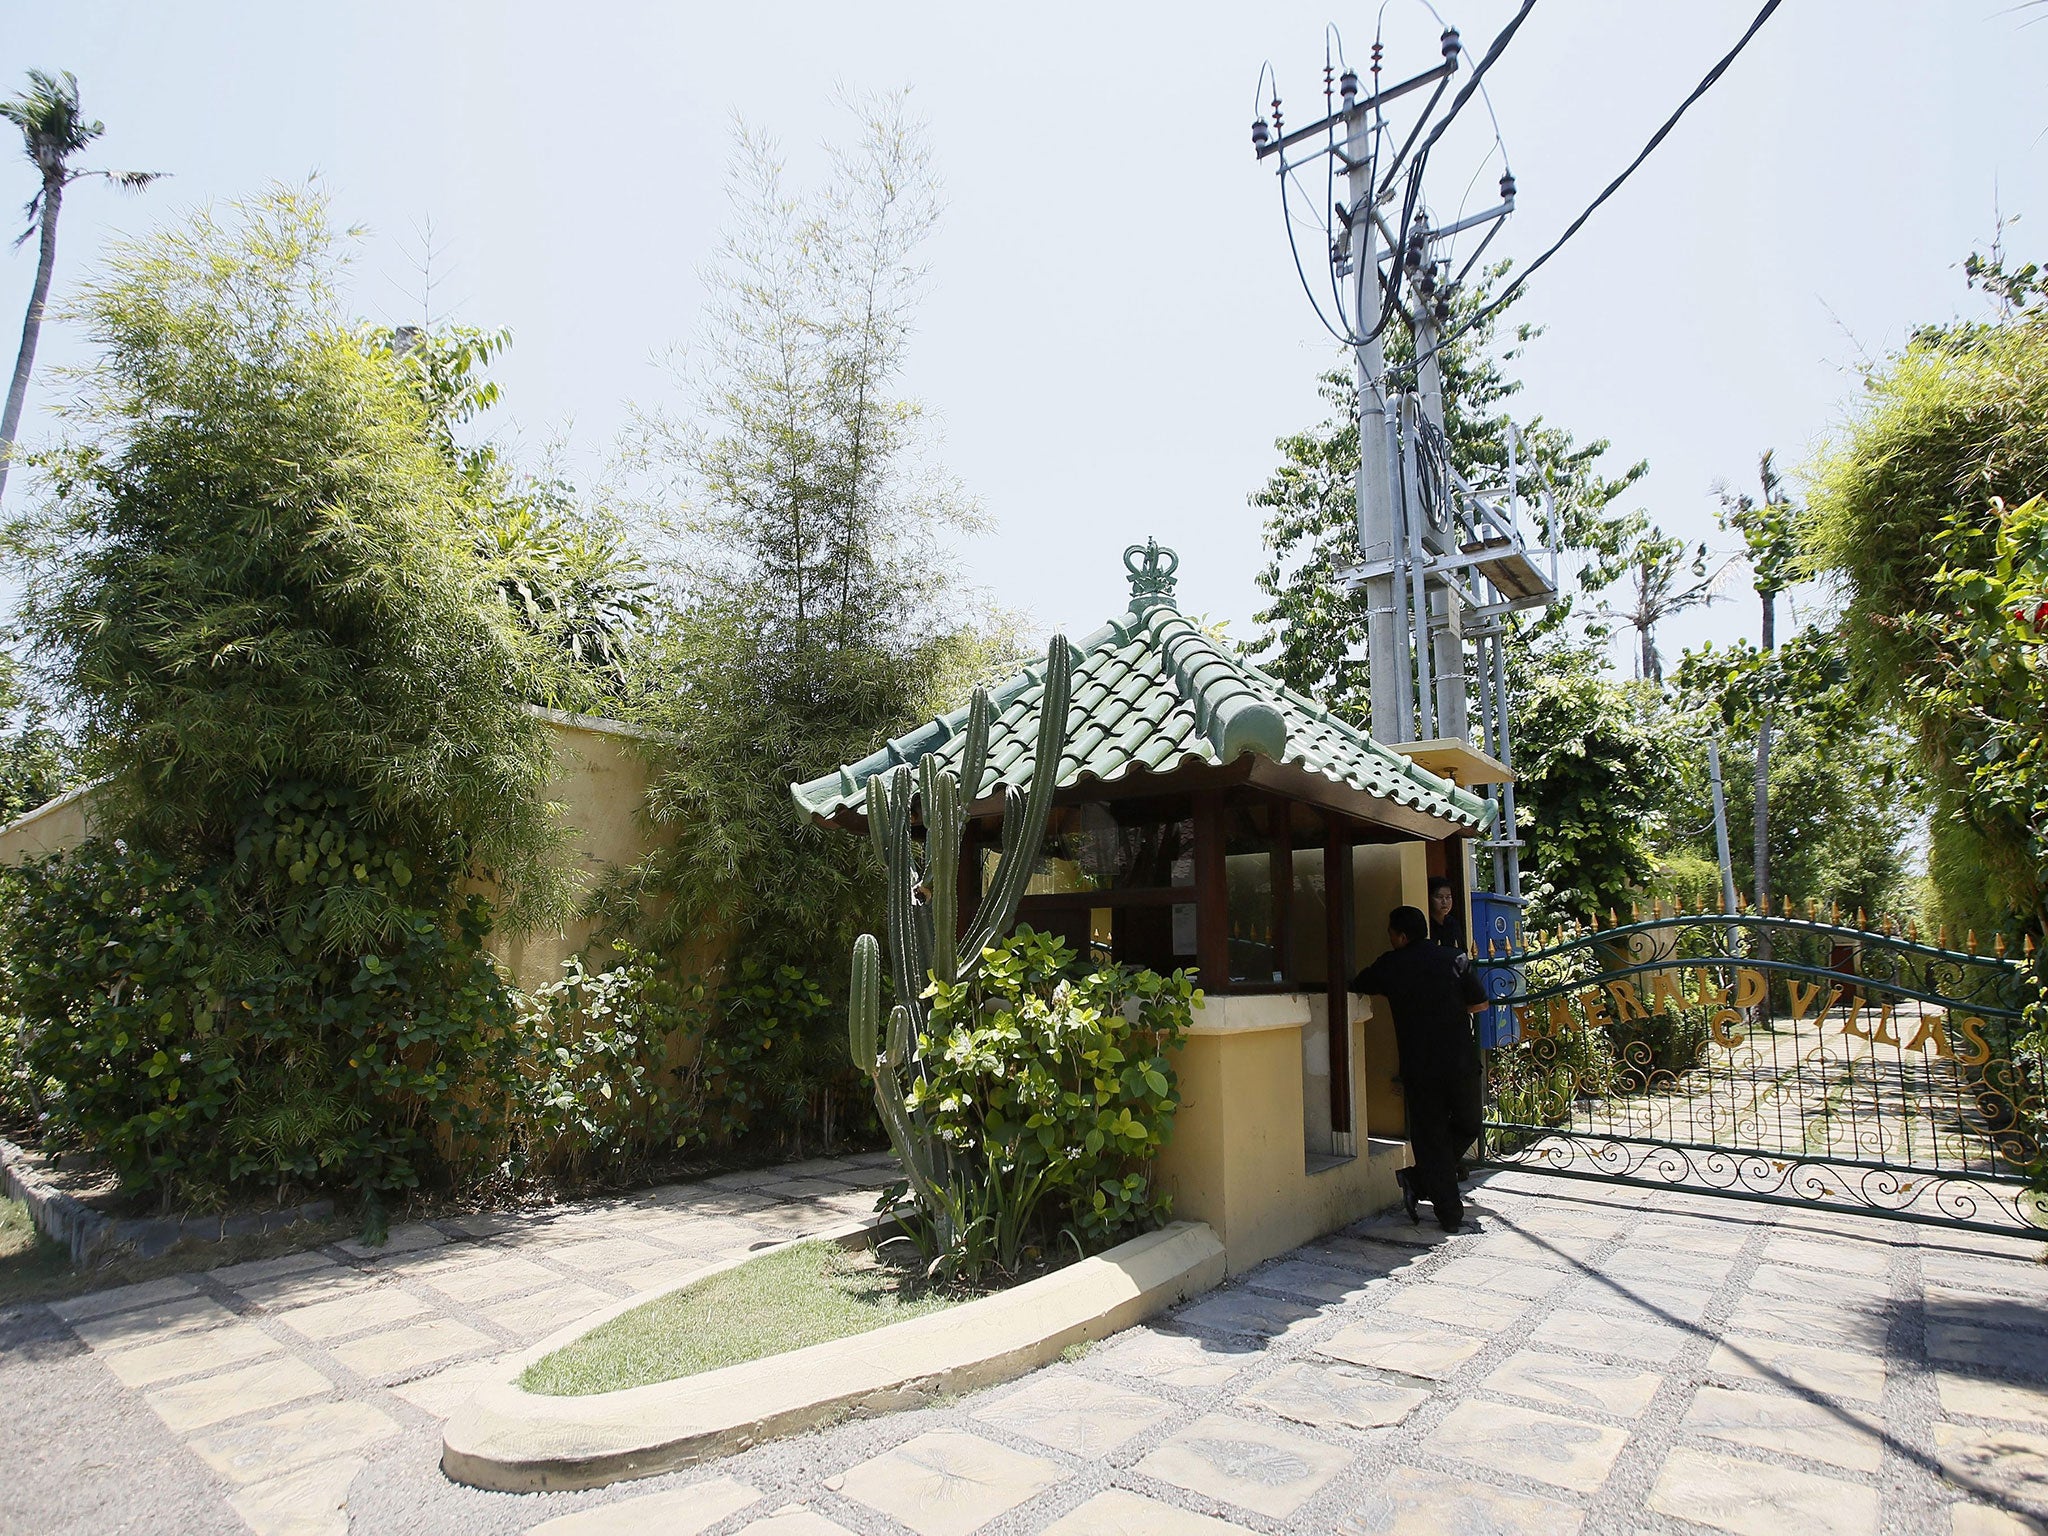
column 519, row 1442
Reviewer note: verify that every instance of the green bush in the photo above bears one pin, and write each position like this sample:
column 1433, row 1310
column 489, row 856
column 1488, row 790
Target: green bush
column 306, row 1014
column 1053, row 1092
column 593, row 1080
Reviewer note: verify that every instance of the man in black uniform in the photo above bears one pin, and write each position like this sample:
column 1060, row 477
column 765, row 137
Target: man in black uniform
column 1433, row 992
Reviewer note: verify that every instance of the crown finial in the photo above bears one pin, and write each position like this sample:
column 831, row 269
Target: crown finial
column 1151, row 569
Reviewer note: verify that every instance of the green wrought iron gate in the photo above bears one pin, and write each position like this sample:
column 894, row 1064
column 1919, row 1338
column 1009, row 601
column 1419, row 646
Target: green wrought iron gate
column 1774, row 1058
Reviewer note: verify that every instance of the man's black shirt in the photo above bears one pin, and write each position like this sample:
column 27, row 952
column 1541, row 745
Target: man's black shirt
column 1431, row 989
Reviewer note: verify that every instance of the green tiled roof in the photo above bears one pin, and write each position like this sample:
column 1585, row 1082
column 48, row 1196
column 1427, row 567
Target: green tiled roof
column 1152, row 693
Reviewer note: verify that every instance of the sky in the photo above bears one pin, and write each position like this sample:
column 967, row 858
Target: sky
column 1114, row 335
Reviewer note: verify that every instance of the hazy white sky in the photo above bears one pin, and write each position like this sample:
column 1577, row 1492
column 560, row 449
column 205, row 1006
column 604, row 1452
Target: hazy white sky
column 1114, row 335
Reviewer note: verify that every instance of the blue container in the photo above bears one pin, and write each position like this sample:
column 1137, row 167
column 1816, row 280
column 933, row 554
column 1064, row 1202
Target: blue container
column 1497, row 926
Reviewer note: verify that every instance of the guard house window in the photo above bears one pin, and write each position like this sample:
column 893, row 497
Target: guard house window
column 1251, row 843
column 1116, row 880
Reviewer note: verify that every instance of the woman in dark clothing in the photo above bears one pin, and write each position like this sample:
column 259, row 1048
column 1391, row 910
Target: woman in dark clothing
column 1446, row 922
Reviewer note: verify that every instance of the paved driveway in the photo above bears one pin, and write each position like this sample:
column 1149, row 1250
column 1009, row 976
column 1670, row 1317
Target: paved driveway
column 1594, row 1360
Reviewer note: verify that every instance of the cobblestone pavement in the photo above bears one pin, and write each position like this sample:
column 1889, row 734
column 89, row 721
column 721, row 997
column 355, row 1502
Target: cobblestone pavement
column 1595, row 1359
column 289, row 1381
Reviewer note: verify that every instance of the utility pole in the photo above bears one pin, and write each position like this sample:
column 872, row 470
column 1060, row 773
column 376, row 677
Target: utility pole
column 1379, row 528
column 1721, row 828
column 1442, row 562
column 1445, row 614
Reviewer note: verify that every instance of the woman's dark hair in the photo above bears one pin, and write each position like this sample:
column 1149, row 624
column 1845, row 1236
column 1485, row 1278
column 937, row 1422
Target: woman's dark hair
column 1441, row 883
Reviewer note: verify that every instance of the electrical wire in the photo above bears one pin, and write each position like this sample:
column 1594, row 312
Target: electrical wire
column 1706, row 84
column 1500, row 44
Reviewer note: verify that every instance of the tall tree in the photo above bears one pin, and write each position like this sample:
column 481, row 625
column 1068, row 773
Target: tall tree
column 256, row 565
column 1666, row 577
column 52, row 131
column 1313, row 632
column 1924, row 516
column 1597, row 772
column 1768, row 537
column 812, row 554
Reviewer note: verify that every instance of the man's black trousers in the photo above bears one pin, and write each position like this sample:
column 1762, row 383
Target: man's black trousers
column 1443, row 1120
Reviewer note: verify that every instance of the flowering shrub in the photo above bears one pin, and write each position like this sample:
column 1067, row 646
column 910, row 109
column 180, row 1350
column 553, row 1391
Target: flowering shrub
column 1052, row 1092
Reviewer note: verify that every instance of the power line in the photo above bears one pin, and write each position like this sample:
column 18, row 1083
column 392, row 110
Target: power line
column 1705, row 85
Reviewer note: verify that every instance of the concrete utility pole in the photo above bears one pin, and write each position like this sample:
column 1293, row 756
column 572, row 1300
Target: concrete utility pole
column 1379, row 528
column 1446, row 611
column 1442, row 562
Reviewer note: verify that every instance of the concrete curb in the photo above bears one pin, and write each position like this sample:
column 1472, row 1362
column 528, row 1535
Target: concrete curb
column 92, row 1237
column 518, row 1442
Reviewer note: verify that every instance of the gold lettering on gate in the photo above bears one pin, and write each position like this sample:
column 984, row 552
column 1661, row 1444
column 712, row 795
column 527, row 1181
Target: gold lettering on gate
column 1627, row 1005
column 1712, row 993
column 1750, row 987
column 1881, row 1033
column 1849, row 1017
column 1980, row 1048
column 1597, row 1016
column 1665, row 991
column 1560, row 1017
column 1804, row 995
column 1931, row 1033
column 1718, row 1027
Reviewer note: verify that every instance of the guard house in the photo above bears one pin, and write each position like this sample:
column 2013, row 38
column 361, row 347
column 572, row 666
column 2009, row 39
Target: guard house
column 1208, row 818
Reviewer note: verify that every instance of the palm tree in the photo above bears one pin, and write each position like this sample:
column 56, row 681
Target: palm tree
column 52, row 131
column 1770, row 537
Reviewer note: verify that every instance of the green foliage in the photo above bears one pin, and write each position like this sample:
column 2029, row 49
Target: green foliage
column 769, row 1072
column 1981, row 695
column 1769, row 529
column 1844, row 790
column 576, row 585
column 815, row 558
column 303, row 1014
column 566, row 575
column 599, row 1088
column 1597, row 771
column 1921, row 516
column 255, row 587
column 254, row 566
column 35, row 760
column 1314, row 634
column 1666, row 577
column 1052, row 1093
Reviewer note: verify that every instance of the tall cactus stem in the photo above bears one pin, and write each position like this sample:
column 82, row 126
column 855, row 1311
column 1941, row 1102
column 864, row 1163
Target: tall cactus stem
column 924, row 911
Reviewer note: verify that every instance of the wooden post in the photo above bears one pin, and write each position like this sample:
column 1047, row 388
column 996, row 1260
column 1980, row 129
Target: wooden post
column 1212, row 894
column 1283, row 886
column 1337, row 941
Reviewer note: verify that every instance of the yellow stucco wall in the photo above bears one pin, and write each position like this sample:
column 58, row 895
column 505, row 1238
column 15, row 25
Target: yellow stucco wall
column 599, row 780
column 63, row 823
column 1384, row 876
column 1237, row 1159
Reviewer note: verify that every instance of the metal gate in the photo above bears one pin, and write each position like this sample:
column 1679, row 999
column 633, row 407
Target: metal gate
column 1774, row 1058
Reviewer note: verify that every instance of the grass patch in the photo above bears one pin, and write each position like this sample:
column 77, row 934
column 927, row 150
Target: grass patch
column 806, row 1294
column 30, row 1264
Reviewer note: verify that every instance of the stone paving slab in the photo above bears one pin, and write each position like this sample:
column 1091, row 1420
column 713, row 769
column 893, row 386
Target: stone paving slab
column 1596, row 1360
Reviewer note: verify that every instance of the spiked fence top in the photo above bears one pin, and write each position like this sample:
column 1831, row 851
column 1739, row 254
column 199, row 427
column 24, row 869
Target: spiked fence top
column 1152, row 694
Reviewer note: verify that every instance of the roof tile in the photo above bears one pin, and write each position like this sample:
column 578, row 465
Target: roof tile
column 1150, row 692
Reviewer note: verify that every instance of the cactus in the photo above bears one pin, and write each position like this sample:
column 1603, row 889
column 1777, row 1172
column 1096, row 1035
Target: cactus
column 925, row 940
